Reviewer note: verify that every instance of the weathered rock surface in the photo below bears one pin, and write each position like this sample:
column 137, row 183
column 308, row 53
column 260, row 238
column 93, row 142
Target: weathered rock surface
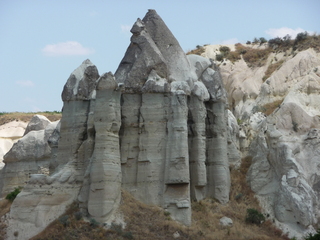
column 283, row 146
column 226, row 222
column 158, row 129
column 31, row 154
column 9, row 134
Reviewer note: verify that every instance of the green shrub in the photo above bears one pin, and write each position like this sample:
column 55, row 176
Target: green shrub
column 224, row 49
column 255, row 40
column 314, row 237
column 11, row 196
column 254, row 216
column 262, row 40
column 219, row 57
column 64, row 220
column 300, row 37
column 94, row 223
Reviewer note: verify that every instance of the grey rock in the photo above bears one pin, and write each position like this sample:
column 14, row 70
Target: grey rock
column 81, row 82
column 226, row 222
column 157, row 129
column 37, row 122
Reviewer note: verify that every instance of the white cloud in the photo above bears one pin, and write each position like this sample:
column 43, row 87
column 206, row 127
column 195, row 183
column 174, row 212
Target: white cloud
column 25, row 83
column 281, row 32
column 70, row 48
column 126, row 29
column 230, row 41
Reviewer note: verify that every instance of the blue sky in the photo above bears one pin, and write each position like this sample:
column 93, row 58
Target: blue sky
column 43, row 41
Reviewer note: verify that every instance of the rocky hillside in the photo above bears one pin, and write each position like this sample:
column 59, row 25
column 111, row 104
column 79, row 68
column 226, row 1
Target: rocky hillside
column 196, row 137
column 275, row 98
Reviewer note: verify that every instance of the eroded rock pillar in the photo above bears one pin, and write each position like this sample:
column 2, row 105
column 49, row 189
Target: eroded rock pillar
column 105, row 175
column 197, row 147
column 177, row 178
column 218, row 186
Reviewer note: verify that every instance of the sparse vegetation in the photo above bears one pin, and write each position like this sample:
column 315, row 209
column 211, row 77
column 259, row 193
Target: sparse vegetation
column 271, row 68
column 6, row 117
column 254, row 216
column 4, row 209
column 256, row 57
column 198, row 51
column 151, row 222
column 315, row 236
column 295, row 126
column 270, row 107
column 11, row 196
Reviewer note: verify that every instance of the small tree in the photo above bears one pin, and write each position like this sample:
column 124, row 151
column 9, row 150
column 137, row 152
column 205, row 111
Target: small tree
column 300, row 37
column 224, row 49
column 11, row 196
column 254, row 216
column 219, row 57
column 255, row 40
column 262, row 40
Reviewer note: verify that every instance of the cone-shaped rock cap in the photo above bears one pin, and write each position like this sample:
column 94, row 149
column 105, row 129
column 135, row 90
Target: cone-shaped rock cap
column 153, row 47
column 81, row 82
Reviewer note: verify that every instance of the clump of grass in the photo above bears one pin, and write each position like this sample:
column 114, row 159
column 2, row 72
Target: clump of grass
column 271, row 68
column 270, row 107
column 198, row 50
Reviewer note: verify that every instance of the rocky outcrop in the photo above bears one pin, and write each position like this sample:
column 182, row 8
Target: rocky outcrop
column 283, row 145
column 31, row 154
column 157, row 128
column 9, row 134
column 174, row 121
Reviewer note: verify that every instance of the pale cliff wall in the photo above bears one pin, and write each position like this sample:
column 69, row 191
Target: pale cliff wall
column 283, row 145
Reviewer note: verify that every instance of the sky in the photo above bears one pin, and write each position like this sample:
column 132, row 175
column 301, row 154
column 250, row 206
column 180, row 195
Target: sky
column 43, row 41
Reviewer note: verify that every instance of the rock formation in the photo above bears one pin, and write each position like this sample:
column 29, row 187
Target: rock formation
column 9, row 134
column 283, row 145
column 158, row 128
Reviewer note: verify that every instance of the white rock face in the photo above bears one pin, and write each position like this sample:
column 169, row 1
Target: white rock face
column 31, row 154
column 9, row 134
column 284, row 171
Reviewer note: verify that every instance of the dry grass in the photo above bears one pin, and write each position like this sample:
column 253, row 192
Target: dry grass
column 146, row 222
column 271, row 68
column 270, row 107
column 4, row 209
column 198, row 51
column 26, row 117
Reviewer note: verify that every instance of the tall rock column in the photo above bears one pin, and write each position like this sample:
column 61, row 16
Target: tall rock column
column 197, row 147
column 177, row 179
column 105, row 174
column 218, row 171
column 76, row 103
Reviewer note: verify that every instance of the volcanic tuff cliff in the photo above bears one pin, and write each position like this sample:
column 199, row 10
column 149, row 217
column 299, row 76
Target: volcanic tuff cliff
column 157, row 128
column 160, row 129
column 283, row 142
